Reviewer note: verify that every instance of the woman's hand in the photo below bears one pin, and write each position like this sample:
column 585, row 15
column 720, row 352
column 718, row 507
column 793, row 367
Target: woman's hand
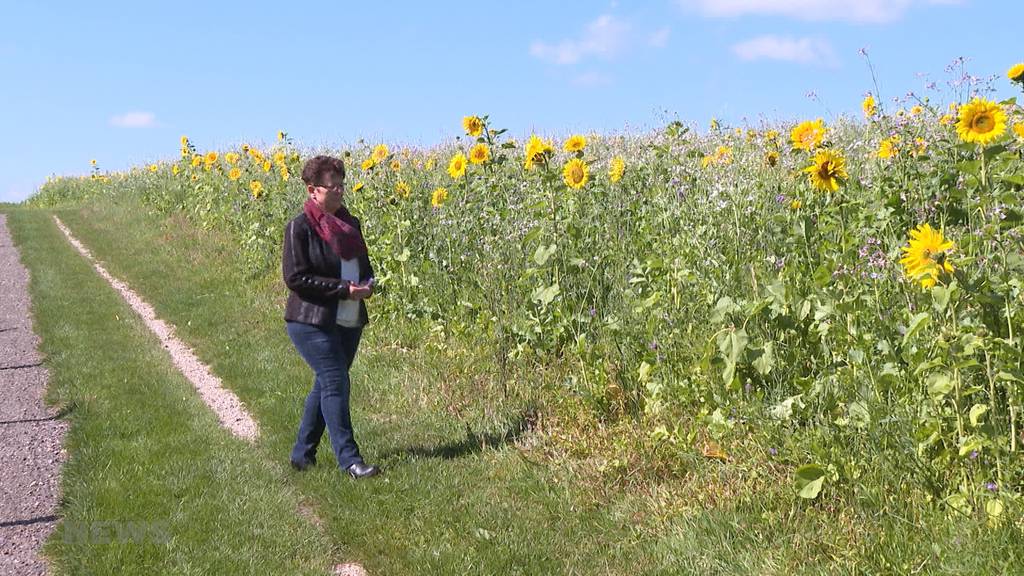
column 360, row 291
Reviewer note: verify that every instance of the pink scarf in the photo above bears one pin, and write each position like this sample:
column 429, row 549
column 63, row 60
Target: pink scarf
column 338, row 230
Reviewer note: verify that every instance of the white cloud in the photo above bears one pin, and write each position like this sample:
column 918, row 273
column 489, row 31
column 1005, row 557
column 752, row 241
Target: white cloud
column 134, row 120
column 801, row 50
column 659, row 38
column 604, row 37
column 870, row 11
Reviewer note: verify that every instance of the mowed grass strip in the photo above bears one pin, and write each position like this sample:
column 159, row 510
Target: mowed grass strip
column 153, row 484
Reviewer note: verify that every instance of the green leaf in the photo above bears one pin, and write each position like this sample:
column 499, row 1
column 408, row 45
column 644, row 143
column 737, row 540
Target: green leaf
column 543, row 254
column 977, row 412
column 940, row 297
column 723, row 308
column 917, row 323
column 545, row 294
column 766, row 361
column 939, row 384
column 809, row 479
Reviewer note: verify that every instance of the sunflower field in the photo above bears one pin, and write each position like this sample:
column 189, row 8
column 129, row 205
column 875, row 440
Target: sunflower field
column 857, row 280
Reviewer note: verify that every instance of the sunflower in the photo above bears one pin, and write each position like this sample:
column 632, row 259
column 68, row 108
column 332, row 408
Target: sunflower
column 772, row 158
column 278, row 157
column 795, row 205
column 197, row 159
column 396, row 165
column 267, row 166
column 211, row 158
column 575, row 173
column 282, row 170
column 231, row 158
column 281, row 135
column 575, row 143
column 616, row 168
column 368, row 163
column 457, row 166
column 946, row 119
column 175, row 169
column 808, row 135
column 438, row 197
column 827, row 171
column 357, row 187
column 256, row 188
column 981, row 121
column 926, row 255
column 473, row 125
column 479, row 154
column 234, row 174
column 721, row 155
column 887, row 148
column 184, row 141
column 1018, row 129
column 380, row 152
column 537, row 151
column 92, row 162
column 153, row 167
column 403, row 189
column 869, row 106
column 1016, row 72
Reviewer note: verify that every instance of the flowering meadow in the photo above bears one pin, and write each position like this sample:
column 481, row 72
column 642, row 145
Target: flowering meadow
column 858, row 278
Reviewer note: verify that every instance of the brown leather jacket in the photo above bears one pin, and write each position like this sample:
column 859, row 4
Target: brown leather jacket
column 312, row 272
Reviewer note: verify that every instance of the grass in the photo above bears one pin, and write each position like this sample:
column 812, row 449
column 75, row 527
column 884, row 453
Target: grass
column 145, row 453
column 466, row 489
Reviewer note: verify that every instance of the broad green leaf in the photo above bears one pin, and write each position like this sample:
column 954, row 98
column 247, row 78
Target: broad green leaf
column 766, row 361
column 809, row 479
column 977, row 412
column 939, row 384
column 543, row 253
column 917, row 323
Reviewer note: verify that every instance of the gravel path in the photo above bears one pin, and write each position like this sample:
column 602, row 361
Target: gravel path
column 224, row 403
column 31, row 433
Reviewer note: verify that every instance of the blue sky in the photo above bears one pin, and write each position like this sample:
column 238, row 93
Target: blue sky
column 120, row 82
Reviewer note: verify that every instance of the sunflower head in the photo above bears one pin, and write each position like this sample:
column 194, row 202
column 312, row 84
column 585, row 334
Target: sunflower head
column 380, row 152
column 926, row 256
column 1016, row 72
column 616, row 168
column 1018, row 129
column 721, row 155
column 808, row 135
column 887, row 148
column 403, row 189
column 479, row 154
column 575, row 143
column 457, row 166
column 256, row 188
column 575, row 173
column 234, row 174
column 357, row 187
column 869, row 106
column 827, row 171
column 981, row 121
column 438, row 197
column 211, row 158
column 473, row 125
column 772, row 158
column 537, row 151
column 368, row 163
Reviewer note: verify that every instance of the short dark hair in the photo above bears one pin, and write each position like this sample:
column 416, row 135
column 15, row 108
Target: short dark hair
column 317, row 167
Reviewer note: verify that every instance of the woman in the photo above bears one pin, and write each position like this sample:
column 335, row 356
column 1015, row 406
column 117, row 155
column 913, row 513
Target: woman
column 328, row 273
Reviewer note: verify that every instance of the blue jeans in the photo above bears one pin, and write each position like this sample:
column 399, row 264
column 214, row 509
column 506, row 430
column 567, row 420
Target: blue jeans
column 329, row 352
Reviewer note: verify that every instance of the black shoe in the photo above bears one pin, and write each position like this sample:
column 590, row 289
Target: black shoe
column 362, row 470
column 303, row 464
